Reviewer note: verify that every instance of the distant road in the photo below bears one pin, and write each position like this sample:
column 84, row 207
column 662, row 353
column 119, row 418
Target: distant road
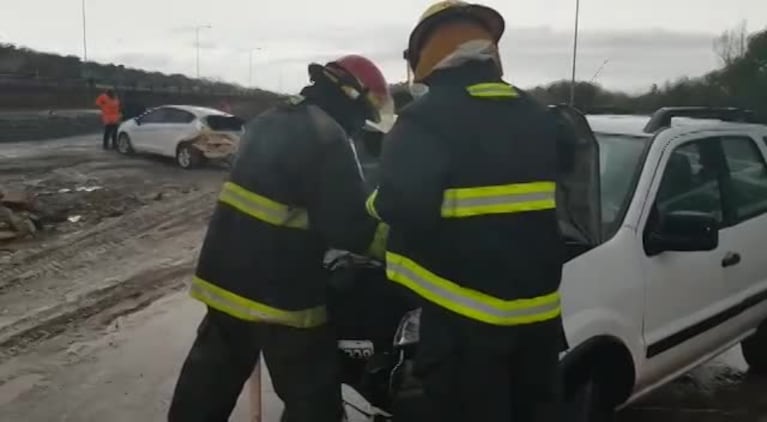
column 26, row 125
column 27, row 114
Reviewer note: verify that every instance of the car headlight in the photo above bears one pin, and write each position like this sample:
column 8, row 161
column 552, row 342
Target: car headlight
column 408, row 330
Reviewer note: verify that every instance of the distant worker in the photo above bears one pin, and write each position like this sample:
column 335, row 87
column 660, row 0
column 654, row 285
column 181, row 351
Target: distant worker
column 110, row 116
column 467, row 185
column 295, row 191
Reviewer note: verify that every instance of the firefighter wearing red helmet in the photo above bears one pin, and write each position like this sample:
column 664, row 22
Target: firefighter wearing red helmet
column 467, row 186
column 295, row 191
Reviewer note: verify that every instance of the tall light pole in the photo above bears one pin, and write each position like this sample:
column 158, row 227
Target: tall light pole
column 85, row 34
column 250, row 66
column 575, row 52
column 197, row 44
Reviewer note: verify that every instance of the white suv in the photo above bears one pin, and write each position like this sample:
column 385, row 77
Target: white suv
column 677, row 268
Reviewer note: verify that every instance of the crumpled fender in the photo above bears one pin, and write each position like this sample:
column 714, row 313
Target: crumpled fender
column 214, row 145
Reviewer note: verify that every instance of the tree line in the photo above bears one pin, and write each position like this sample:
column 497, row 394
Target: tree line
column 740, row 82
column 27, row 64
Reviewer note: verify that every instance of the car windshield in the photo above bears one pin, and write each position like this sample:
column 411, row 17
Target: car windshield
column 620, row 158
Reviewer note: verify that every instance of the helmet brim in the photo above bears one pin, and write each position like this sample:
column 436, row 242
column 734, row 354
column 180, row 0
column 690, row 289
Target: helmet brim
column 486, row 16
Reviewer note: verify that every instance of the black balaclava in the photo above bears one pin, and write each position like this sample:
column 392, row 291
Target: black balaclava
column 330, row 98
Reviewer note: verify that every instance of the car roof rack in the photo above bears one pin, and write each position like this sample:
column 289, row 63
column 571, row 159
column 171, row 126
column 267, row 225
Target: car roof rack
column 662, row 118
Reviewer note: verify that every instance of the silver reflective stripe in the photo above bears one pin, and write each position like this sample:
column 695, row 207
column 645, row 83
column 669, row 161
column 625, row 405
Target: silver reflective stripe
column 357, row 160
column 464, row 304
column 370, row 205
column 452, row 203
column 263, row 208
column 221, row 303
column 248, row 310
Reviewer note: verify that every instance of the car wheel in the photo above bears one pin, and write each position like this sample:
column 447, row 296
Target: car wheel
column 124, row 145
column 188, row 157
column 587, row 403
column 754, row 350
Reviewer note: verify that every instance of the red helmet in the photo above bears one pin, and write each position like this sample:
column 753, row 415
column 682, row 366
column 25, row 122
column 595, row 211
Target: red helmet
column 360, row 79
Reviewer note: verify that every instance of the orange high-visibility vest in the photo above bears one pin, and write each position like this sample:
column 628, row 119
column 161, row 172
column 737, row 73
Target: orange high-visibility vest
column 110, row 109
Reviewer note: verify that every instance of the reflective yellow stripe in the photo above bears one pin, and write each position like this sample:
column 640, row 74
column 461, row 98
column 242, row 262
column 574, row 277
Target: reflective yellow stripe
column 500, row 199
column 492, row 89
column 467, row 302
column 248, row 310
column 370, row 205
column 263, row 208
column 377, row 247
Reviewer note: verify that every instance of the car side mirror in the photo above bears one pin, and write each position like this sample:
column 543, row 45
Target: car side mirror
column 138, row 121
column 683, row 231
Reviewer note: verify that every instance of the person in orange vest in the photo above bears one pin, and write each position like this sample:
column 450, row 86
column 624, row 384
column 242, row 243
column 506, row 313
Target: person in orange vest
column 109, row 105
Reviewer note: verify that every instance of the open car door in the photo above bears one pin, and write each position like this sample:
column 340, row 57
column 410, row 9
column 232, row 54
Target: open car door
column 578, row 188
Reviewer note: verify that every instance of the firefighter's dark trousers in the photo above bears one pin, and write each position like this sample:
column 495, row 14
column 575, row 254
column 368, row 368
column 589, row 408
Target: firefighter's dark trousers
column 303, row 364
column 488, row 374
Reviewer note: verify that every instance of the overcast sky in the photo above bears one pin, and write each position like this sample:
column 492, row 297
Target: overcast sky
column 643, row 42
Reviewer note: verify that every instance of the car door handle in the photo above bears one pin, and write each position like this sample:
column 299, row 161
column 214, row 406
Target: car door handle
column 732, row 258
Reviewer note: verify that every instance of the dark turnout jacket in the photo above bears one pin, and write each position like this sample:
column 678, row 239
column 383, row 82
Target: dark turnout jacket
column 295, row 191
column 467, row 184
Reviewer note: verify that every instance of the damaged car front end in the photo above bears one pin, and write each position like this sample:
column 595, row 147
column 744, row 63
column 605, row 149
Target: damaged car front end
column 217, row 139
column 214, row 145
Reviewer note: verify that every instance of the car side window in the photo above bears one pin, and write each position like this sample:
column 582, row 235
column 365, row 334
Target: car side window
column 691, row 180
column 747, row 185
column 178, row 116
column 156, row 116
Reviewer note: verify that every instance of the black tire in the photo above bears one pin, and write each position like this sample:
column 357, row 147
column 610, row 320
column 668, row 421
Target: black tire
column 124, row 145
column 587, row 403
column 188, row 157
column 754, row 350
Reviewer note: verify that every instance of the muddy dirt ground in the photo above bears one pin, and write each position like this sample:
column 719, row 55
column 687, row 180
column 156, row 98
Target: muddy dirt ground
column 114, row 228
column 93, row 323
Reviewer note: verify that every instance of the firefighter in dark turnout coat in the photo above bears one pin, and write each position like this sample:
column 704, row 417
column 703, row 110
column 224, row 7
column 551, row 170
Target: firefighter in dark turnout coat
column 295, row 191
column 467, row 185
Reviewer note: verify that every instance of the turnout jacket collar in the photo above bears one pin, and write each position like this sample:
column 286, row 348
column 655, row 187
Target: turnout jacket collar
column 468, row 74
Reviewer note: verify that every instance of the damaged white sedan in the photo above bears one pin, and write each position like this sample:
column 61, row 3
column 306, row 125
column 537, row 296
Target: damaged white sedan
column 190, row 134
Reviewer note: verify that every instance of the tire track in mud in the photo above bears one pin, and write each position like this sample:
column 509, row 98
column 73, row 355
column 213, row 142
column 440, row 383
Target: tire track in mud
column 109, row 302
column 124, row 263
column 110, row 239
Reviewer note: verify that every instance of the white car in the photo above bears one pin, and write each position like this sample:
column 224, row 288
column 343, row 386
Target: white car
column 189, row 134
column 671, row 268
